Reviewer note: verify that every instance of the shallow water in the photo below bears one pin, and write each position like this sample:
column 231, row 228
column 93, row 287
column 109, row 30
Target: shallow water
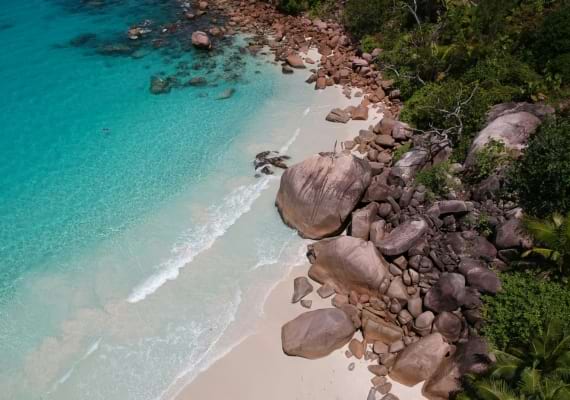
column 108, row 192
column 133, row 233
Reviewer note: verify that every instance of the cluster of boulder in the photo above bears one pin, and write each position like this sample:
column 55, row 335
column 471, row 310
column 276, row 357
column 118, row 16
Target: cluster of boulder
column 405, row 269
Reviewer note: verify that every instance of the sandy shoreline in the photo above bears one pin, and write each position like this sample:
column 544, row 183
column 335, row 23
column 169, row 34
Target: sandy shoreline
column 257, row 368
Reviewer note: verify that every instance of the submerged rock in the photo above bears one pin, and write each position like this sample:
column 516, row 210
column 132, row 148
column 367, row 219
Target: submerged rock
column 226, row 94
column 201, row 40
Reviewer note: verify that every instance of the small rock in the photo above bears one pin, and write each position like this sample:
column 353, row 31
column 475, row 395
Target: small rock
column 351, row 366
column 356, row 347
column 326, row 291
column 385, row 388
column 306, row 303
column 301, row 288
column 379, row 370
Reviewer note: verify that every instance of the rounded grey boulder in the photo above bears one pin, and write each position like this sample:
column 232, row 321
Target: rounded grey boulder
column 316, row 334
column 317, row 195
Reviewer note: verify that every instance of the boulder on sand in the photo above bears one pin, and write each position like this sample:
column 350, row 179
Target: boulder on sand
column 295, row 61
column 403, row 237
column 338, row 115
column 201, row 40
column 418, row 361
column 348, row 264
column 317, row 195
column 316, row 334
column 301, row 288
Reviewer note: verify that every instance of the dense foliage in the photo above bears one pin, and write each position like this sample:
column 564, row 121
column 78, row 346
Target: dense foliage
column 522, row 308
column 537, row 369
column 545, row 168
column 453, row 59
column 552, row 236
column 436, row 179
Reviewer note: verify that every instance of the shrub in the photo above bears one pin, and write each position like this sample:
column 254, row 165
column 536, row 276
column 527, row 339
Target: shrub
column 553, row 37
column 436, row 179
column 541, row 178
column 363, row 17
column 369, row 43
column 488, row 160
column 434, row 104
column 522, row 307
column 561, row 66
column 400, row 151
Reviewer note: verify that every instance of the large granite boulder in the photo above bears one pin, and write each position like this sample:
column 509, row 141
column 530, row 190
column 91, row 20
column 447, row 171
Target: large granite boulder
column 347, row 263
column 317, row 195
column 316, row 334
column 201, row 40
column 470, row 244
column 403, row 237
column 511, row 124
column 447, row 294
column 479, row 276
column 418, row 361
column 449, row 325
column 511, row 234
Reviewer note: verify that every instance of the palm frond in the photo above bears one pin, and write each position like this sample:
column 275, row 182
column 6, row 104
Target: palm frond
column 530, row 381
column 544, row 231
column 494, row 389
column 506, row 366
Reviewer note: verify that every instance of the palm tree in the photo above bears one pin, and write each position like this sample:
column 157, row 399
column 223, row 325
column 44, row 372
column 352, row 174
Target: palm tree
column 540, row 370
column 554, row 235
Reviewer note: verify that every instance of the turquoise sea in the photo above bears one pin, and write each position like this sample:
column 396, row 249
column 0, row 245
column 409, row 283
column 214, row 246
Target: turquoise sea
column 136, row 245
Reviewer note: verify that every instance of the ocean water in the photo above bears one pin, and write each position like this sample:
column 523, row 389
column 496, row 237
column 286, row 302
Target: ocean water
column 133, row 233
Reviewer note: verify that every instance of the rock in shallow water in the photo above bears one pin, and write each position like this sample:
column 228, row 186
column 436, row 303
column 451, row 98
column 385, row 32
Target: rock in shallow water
column 201, row 40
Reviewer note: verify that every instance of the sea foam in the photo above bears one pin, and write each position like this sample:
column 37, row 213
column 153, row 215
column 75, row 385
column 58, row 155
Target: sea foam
column 220, row 218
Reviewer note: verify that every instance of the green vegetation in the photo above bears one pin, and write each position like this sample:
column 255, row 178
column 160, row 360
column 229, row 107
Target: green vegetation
column 488, row 160
column 483, row 226
column 537, row 369
column 400, row 151
column 553, row 234
column 522, row 307
column 453, row 59
column 436, row 179
column 545, row 168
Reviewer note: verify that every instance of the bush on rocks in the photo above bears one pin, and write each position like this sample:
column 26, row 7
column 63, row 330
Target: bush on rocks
column 545, row 168
column 521, row 309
